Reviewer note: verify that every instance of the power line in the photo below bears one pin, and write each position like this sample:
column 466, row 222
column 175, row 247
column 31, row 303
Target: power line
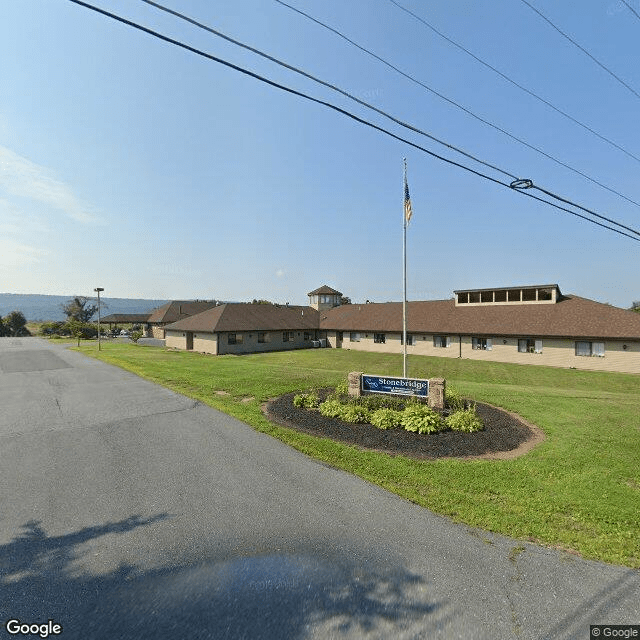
column 521, row 184
column 635, row 13
column 459, row 106
column 572, row 41
column 326, row 84
column 514, row 83
column 518, row 185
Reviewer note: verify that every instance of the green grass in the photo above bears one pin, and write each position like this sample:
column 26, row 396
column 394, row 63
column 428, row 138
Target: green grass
column 579, row 490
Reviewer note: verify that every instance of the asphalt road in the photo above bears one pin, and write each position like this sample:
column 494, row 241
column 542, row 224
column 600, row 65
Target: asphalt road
column 129, row 511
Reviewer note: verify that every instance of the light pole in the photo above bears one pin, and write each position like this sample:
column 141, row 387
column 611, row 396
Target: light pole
column 99, row 289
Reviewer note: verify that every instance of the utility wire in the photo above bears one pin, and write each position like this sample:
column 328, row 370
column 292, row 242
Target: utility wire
column 519, row 185
column 459, row 106
column 516, row 183
column 326, row 84
column 572, row 41
column 635, row 13
column 514, row 83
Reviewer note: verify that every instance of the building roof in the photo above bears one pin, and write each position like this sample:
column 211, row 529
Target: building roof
column 324, row 289
column 177, row 310
column 250, row 317
column 571, row 317
column 125, row 317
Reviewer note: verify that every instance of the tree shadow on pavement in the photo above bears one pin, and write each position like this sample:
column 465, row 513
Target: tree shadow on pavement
column 321, row 592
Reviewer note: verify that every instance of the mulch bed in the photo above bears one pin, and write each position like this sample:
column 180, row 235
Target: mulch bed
column 505, row 435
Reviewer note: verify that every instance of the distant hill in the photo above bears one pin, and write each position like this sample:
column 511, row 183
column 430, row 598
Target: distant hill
column 38, row 307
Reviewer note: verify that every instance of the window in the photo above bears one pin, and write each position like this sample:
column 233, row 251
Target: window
column 410, row 339
column 500, row 296
column 307, row 336
column 590, row 349
column 379, row 338
column 287, row 336
column 513, row 295
column 528, row 295
column 486, row 296
column 441, row 341
column 529, row 345
column 482, row 344
column 474, row 296
column 263, row 337
column 354, row 337
column 235, row 338
column 463, row 298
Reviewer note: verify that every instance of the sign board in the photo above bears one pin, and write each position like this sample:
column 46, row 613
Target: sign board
column 395, row 386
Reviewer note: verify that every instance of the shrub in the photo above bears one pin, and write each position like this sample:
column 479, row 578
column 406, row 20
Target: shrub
column 466, row 420
column 306, row 400
column 134, row 336
column 58, row 328
column 421, row 418
column 353, row 413
column 453, row 399
column 331, row 408
column 386, row 418
column 342, row 389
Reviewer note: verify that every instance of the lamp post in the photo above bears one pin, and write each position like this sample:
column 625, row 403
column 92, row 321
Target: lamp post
column 99, row 289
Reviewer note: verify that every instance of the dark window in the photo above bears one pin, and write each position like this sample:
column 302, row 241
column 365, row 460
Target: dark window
column 486, row 296
column 513, row 295
column 482, row 344
column 501, row 296
column 474, row 296
column 263, row 337
column 441, row 341
column 528, row 295
column 235, row 338
column 379, row 338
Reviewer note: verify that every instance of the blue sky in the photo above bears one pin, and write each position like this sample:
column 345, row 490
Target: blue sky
column 133, row 165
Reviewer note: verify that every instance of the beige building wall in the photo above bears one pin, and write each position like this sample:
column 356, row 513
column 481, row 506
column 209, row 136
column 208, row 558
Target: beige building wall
column 157, row 332
column 205, row 343
column 274, row 342
column 175, row 340
column 556, row 352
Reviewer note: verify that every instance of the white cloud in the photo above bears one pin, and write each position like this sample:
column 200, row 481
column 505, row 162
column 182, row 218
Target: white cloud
column 280, row 273
column 21, row 177
column 16, row 254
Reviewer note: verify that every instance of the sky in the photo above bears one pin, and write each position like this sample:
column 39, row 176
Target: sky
column 130, row 164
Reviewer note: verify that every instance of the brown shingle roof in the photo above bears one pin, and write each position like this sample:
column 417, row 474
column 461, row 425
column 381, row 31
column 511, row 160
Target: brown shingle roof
column 572, row 317
column 324, row 289
column 125, row 317
column 177, row 310
column 250, row 317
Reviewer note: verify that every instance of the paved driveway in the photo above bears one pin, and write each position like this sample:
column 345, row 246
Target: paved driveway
column 129, row 511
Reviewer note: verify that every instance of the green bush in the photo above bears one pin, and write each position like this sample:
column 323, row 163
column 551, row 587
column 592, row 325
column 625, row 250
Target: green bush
column 386, row 418
column 421, row 418
column 331, row 408
column 466, row 420
column 134, row 336
column 354, row 414
column 308, row 400
column 342, row 389
column 453, row 399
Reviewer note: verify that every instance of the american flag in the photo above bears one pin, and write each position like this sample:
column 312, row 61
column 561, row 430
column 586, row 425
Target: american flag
column 408, row 211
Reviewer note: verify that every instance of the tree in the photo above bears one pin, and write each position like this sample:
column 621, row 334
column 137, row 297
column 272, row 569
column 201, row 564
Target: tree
column 261, row 301
column 78, row 309
column 345, row 300
column 3, row 329
column 16, row 324
column 635, row 306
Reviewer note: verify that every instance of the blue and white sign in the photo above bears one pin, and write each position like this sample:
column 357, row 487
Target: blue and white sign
column 395, row 386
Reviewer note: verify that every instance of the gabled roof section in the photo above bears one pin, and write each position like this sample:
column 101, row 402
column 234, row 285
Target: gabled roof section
column 571, row 317
column 177, row 310
column 324, row 289
column 125, row 317
column 238, row 316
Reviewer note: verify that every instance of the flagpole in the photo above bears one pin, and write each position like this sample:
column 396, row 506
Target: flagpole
column 404, row 275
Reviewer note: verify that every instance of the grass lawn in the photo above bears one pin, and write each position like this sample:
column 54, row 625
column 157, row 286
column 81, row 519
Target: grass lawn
column 578, row 491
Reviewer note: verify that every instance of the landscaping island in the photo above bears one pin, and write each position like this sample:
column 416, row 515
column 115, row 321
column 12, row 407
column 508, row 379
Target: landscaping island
column 505, row 435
